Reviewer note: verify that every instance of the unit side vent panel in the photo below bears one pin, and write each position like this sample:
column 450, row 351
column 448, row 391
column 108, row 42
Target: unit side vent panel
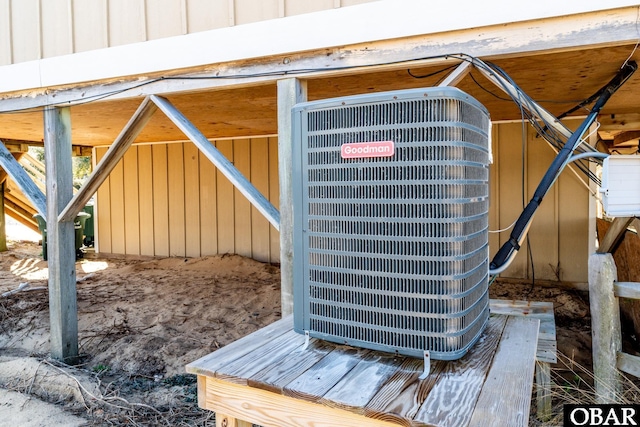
column 392, row 252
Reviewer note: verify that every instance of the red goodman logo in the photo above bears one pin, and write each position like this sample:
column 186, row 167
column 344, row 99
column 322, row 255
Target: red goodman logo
column 367, row 149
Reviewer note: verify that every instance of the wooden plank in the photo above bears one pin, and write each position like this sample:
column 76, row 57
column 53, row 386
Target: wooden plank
column 227, row 168
column 543, row 391
column 118, row 216
column 627, row 289
column 361, row 384
column 209, row 364
column 131, row 130
column 260, row 242
column 3, row 230
column 274, row 197
column 505, row 398
column 625, row 137
column 164, row 18
column 11, row 166
column 628, row 363
column 63, row 305
column 242, row 207
column 324, row 375
column 244, row 367
column 547, row 351
column 130, row 191
column 223, row 420
column 160, row 199
column 208, row 207
column 225, row 203
column 452, row 400
column 145, row 194
column 269, row 409
column 290, row 92
column 276, row 376
column 103, row 211
column 457, row 75
column 400, row 398
column 192, row 199
column 177, row 242
column 614, row 234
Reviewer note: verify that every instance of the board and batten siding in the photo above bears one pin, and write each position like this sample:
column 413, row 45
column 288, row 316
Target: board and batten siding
column 36, row 29
column 559, row 234
column 169, row 200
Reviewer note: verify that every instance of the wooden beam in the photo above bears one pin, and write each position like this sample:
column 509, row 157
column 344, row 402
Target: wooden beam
column 111, row 158
column 559, row 34
column 22, row 179
column 614, row 234
column 627, row 289
column 457, row 75
column 290, row 92
column 629, row 364
column 625, row 137
column 619, row 122
column 605, row 327
column 222, row 163
column 3, row 231
column 61, row 252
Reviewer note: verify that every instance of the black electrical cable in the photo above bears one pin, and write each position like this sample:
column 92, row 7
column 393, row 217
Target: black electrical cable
column 558, row 164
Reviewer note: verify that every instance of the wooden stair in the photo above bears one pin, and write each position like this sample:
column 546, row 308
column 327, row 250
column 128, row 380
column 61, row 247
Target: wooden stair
column 16, row 204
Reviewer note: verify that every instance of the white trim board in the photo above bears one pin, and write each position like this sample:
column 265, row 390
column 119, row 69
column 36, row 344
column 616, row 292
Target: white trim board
column 369, row 22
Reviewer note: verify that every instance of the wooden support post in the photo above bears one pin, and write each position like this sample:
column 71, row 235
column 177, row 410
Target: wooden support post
column 3, row 229
column 605, row 327
column 543, row 390
column 227, row 421
column 290, row 92
column 60, row 236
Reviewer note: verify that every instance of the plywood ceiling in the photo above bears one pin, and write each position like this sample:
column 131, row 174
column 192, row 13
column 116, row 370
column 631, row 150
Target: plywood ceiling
column 558, row 81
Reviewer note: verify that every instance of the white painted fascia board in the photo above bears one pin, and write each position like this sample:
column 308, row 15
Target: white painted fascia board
column 369, row 22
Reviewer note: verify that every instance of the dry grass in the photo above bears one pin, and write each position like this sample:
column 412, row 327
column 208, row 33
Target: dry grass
column 572, row 383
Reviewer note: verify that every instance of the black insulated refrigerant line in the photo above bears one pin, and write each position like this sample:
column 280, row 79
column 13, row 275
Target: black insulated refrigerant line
column 507, row 252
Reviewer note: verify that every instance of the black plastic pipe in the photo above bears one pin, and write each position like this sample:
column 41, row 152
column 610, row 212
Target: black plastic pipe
column 562, row 158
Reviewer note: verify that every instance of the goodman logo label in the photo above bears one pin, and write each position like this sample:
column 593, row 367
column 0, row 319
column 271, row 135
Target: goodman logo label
column 601, row 415
column 367, row 149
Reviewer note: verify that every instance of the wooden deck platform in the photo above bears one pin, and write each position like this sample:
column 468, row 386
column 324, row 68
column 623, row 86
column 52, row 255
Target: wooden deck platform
column 270, row 379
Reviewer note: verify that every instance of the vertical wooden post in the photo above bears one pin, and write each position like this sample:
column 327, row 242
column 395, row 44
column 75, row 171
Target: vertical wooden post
column 543, row 390
column 60, row 236
column 3, row 229
column 290, row 92
column 605, row 327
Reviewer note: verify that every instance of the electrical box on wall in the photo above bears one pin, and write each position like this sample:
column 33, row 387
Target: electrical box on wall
column 621, row 185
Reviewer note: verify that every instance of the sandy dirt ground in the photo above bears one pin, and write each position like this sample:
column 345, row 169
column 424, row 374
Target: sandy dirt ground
column 142, row 320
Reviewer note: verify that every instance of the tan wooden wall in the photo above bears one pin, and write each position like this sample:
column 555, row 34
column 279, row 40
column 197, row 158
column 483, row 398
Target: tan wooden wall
column 35, row 29
column 169, row 200
column 559, row 235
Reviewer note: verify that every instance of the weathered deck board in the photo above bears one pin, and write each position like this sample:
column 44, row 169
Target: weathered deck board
column 399, row 399
column 452, row 400
column 320, row 378
column 244, row 367
column 210, row 363
column 271, row 379
column 505, row 399
column 547, row 346
column 275, row 377
column 357, row 388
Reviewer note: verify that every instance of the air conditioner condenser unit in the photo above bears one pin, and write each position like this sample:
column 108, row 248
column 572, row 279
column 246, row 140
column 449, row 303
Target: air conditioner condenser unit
column 391, row 221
